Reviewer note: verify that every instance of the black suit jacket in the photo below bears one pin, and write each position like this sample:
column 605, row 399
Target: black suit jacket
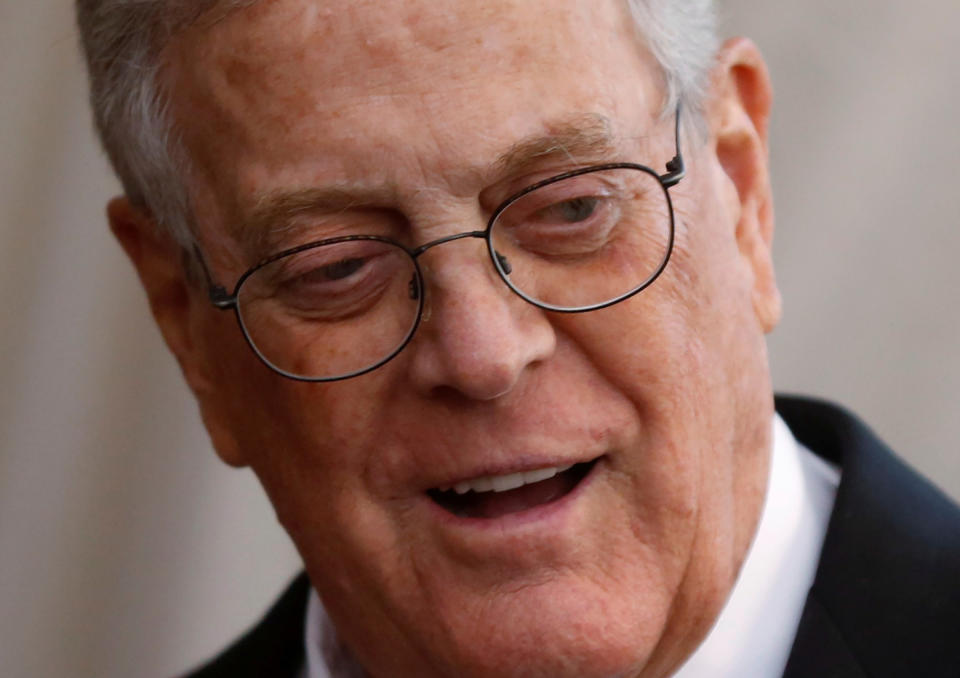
column 885, row 602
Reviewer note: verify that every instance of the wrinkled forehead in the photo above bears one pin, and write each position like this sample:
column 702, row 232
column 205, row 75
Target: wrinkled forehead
column 369, row 35
column 347, row 90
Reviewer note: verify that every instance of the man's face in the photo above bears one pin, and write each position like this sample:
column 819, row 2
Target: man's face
column 409, row 109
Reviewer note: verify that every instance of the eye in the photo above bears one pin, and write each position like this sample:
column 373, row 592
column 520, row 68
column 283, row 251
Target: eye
column 571, row 211
column 560, row 215
column 320, row 278
column 335, row 271
column 330, row 282
column 573, row 216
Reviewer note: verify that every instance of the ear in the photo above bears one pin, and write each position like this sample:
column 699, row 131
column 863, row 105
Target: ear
column 738, row 115
column 178, row 305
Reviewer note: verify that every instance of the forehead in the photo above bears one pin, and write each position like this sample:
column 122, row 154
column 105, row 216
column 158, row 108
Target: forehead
column 307, row 92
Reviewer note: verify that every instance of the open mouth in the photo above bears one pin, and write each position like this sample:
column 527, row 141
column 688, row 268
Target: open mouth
column 495, row 496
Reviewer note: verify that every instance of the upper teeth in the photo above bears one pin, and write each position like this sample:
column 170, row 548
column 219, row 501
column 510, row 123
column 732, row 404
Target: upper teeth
column 510, row 481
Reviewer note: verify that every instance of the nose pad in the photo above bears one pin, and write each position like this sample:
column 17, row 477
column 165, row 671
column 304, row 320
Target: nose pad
column 413, row 287
column 504, row 263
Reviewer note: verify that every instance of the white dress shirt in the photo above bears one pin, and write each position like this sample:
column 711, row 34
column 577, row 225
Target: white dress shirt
column 754, row 632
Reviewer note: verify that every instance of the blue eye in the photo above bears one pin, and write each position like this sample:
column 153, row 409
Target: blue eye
column 572, row 211
column 330, row 282
column 338, row 270
column 342, row 276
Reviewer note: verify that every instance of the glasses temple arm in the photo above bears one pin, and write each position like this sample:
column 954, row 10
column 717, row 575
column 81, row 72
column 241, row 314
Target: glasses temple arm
column 676, row 169
column 219, row 296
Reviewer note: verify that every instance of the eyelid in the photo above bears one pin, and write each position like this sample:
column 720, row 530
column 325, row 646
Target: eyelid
column 494, row 196
column 293, row 266
column 501, row 191
column 585, row 185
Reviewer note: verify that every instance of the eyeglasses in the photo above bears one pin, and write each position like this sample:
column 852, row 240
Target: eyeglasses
column 576, row 242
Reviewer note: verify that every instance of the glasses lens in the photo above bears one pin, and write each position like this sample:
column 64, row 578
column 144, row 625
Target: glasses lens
column 586, row 240
column 333, row 310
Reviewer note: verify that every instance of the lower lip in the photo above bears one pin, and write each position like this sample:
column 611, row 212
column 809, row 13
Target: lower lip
column 553, row 510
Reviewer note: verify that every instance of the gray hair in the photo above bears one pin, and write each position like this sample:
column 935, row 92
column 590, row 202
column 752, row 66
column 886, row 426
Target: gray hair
column 123, row 41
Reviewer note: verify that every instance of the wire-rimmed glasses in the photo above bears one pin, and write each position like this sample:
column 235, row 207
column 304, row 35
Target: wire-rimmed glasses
column 340, row 307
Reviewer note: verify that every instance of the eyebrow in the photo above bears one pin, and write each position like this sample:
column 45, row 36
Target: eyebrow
column 578, row 141
column 275, row 212
column 586, row 138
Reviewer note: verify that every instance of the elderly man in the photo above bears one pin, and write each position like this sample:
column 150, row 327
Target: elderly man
column 479, row 290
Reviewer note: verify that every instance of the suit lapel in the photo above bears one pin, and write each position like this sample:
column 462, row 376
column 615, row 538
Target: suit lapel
column 819, row 648
column 274, row 647
column 885, row 598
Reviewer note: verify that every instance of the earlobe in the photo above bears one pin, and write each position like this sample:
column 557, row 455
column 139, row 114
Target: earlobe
column 738, row 115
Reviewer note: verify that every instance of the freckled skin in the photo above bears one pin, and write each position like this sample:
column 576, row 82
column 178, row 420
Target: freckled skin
column 672, row 385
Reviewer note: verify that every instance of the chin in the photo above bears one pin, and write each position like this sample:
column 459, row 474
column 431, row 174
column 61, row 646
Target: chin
column 559, row 629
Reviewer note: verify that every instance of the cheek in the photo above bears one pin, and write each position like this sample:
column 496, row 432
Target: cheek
column 314, row 450
column 293, row 434
column 710, row 275
column 649, row 350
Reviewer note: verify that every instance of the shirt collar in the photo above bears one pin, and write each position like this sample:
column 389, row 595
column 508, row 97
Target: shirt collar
column 754, row 632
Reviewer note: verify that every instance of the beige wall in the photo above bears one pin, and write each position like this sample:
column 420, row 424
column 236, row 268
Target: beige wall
column 865, row 159
column 126, row 549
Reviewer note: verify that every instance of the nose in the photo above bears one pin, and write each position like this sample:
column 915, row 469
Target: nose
column 477, row 337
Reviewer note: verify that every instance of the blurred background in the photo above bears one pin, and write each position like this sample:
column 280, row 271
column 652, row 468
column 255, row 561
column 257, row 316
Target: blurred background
column 127, row 549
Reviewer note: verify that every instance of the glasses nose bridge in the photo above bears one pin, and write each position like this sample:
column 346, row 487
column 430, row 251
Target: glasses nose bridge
column 504, row 265
column 449, row 238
